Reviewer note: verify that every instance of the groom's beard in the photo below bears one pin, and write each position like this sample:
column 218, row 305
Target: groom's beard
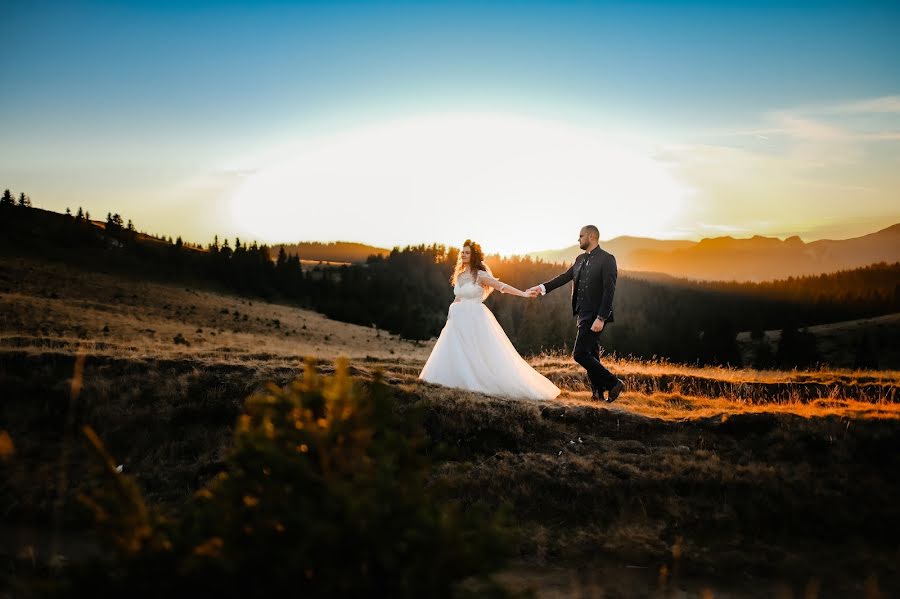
column 584, row 246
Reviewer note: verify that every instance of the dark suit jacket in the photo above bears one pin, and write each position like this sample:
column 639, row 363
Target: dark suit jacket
column 601, row 284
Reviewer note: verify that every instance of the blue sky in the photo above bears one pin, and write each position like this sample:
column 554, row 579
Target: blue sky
column 145, row 107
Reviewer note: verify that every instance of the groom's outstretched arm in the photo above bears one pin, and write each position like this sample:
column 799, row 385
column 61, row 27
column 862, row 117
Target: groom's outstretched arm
column 557, row 281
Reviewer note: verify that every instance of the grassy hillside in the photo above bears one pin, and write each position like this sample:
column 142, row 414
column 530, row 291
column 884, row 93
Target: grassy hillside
column 334, row 252
column 728, row 481
column 46, row 305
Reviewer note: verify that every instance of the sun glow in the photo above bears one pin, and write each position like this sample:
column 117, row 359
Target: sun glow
column 515, row 184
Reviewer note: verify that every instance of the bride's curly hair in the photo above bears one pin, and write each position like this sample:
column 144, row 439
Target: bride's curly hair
column 476, row 262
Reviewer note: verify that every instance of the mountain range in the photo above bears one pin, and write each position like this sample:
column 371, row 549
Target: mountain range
column 755, row 259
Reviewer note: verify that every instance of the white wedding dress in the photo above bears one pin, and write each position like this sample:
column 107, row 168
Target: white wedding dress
column 474, row 353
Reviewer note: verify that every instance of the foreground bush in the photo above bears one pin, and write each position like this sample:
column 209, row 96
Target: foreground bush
column 326, row 493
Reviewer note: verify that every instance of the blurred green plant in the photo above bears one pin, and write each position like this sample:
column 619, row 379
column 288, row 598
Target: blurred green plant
column 326, row 493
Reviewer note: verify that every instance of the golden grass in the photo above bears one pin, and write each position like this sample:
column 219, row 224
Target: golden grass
column 676, row 407
column 736, row 375
column 52, row 307
column 672, row 406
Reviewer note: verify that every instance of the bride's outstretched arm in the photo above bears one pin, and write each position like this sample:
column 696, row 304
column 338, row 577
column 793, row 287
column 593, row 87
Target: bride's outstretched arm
column 489, row 281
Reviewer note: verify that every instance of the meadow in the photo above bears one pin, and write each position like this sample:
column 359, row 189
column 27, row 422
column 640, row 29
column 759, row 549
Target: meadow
column 699, row 480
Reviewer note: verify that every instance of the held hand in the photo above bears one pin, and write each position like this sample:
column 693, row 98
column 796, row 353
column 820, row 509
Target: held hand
column 597, row 326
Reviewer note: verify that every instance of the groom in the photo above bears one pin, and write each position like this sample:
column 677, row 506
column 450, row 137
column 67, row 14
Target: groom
column 594, row 273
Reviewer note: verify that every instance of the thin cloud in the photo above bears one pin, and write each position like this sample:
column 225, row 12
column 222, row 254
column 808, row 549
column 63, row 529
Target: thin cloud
column 880, row 136
column 802, row 127
column 885, row 104
column 828, row 123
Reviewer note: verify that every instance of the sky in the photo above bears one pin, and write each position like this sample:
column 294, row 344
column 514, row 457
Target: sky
column 510, row 123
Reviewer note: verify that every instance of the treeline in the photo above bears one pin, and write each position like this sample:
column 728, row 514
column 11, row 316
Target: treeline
column 245, row 268
column 408, row 292
column 698, row 322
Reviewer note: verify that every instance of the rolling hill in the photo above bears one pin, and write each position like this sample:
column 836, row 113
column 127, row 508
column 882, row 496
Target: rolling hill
column 335, row 251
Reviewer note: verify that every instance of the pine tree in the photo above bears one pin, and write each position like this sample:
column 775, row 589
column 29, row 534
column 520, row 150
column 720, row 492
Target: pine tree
column 7, row 199
column 80, row 215
column 24, row 200
column 113, row 222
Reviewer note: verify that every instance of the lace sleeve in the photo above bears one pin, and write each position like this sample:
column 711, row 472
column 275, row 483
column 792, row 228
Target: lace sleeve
column 487, row 280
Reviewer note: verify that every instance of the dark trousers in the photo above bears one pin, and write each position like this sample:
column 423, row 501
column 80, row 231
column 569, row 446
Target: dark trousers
column 587, row 354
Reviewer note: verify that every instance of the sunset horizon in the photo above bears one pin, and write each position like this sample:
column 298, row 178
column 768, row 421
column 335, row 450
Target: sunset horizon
column 393, row 126
column 454, row 243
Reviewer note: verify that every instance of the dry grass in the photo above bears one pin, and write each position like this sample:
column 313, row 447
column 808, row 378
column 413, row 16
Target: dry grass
column 734, row 388
column 790, row 475
column 48, row 307
column 763, row 498
column 672, row 406
column 631, row 366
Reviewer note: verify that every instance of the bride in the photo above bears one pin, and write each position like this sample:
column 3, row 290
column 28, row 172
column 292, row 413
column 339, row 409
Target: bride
column 473, row 352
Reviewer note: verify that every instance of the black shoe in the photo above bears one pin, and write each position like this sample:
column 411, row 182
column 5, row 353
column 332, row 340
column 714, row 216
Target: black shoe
column 596, row 394
column 615, row 391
